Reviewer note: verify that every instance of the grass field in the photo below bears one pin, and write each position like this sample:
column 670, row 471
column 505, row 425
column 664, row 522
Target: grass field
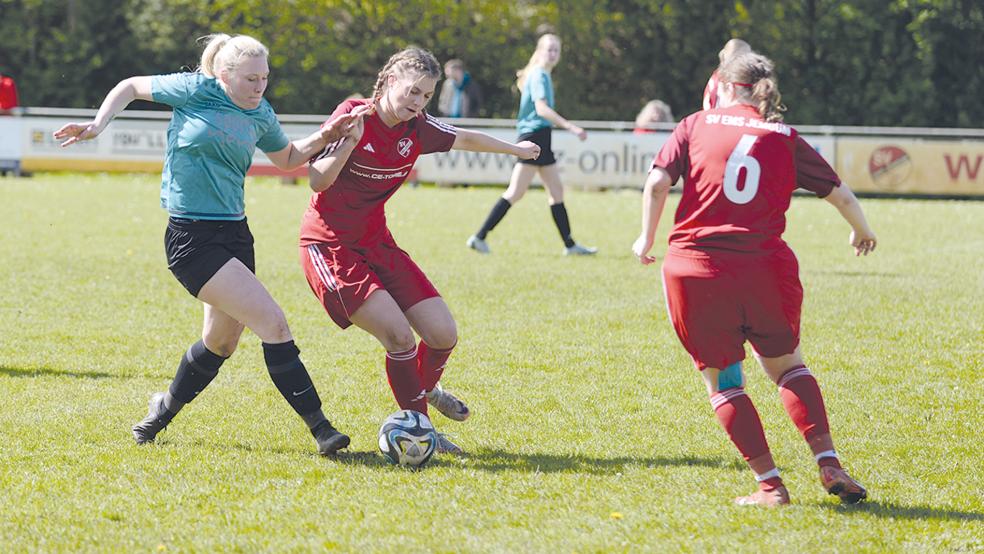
column 590, row 432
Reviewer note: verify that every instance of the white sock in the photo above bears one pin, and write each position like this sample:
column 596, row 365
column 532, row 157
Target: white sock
column 826, row 454
column 767, row 475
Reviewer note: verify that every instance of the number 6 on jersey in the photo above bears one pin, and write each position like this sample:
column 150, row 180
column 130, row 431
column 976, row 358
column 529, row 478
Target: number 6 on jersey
column 739, row 159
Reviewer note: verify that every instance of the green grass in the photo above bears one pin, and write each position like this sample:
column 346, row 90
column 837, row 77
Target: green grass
column 591, row 431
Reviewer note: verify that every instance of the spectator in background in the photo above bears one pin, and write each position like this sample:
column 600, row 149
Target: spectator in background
column 731, row 49
column 8, row 95
column 460, row 95
column 655, row 111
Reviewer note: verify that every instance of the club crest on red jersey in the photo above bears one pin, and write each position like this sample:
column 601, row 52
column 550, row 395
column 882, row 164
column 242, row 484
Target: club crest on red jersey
column 403, row 147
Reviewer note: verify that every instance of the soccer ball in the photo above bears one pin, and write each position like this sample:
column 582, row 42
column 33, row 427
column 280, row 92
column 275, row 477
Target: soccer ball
column 407, row 438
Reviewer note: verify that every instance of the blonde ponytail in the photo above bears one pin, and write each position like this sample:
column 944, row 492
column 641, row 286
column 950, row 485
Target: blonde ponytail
column 768, row 100
column 213, row 43
column 536, row 60
column 755, row 82
column 223, row 52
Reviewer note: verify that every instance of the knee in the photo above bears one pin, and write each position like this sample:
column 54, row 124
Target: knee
column 512, row 195
column 274, row 328
column 398, row 339
column 443, row 337
column 731, row 377
column 224, row 348
column 223, row 344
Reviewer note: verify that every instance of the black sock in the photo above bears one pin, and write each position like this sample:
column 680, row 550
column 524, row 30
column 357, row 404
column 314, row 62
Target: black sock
column 559, row 213
column 291, row 377
column 197, row 369
column 495, row 216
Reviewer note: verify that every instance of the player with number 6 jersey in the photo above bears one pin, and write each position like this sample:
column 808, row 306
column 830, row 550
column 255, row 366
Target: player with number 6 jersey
column 351, row 261
column 728, row 276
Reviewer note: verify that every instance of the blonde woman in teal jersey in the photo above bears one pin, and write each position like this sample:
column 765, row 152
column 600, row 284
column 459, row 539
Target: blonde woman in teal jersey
column 220, row 117
column 534, row 123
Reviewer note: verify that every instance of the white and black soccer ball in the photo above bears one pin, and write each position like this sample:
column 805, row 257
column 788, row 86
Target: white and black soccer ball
column 407, row 438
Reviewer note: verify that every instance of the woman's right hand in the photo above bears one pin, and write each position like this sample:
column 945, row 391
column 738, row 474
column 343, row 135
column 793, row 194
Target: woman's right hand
column 641, row 248
column 863, row 241
column 346, row 126
column 71, row 133
column 528, row 150
column 580, row 133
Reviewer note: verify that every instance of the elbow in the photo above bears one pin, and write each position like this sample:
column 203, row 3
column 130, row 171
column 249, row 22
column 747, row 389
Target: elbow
column 659, row 183
column 317, row 183
column 317, row 180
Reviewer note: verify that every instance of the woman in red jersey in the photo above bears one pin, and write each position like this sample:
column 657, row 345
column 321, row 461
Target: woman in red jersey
column 351, row 260
column 729, row 277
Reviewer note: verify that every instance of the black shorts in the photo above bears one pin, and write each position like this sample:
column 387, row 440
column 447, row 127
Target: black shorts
column 540, row 137
column 197, row 249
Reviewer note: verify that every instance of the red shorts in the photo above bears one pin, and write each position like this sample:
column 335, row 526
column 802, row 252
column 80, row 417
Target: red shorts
column 343, row 277
column 717, row 302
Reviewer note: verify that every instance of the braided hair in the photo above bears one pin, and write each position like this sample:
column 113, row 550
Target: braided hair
column 410, row 59
column 755, row 81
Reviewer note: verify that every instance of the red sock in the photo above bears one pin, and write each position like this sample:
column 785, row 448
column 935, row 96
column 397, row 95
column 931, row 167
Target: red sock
column 401, row 370
column 430, row 364
column 739, row 418
column 831, row 461
column 772, row 483
column 804, row 403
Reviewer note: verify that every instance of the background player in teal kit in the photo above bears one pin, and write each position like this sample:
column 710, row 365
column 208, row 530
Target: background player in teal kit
column 220, row 117
column 535, row 121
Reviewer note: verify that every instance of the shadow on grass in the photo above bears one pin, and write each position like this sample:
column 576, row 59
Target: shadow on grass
column 894, row 511
column 851, row 273
column 494, row 461
column 48, row 372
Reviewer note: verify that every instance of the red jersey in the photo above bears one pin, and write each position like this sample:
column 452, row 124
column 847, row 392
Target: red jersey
column 739, row 175
column 351, row 209
column 711, row 91
column 8, row 93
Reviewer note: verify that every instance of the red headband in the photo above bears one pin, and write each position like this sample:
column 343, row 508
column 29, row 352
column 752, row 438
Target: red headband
column 743, row 84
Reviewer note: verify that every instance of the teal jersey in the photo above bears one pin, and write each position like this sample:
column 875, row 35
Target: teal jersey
column 210, row 145
column 538, row 86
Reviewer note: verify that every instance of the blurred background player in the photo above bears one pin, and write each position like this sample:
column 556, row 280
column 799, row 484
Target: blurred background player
column 8, row 95
column 460, row 94
column 536, row 116
column 220, row 117
column 729, row 277
column 655, row 111
column 732, row 48
column 351, row 261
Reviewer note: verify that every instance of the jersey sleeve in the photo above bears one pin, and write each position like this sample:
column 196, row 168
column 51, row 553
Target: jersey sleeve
column 435, row 135
column 342, row 109
column 813, row 173
column 176, row 88
column 274, row 140
column 674, row 157
column 538, row 85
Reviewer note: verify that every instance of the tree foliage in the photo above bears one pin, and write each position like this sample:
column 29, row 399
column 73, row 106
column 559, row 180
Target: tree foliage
column 854, row 62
